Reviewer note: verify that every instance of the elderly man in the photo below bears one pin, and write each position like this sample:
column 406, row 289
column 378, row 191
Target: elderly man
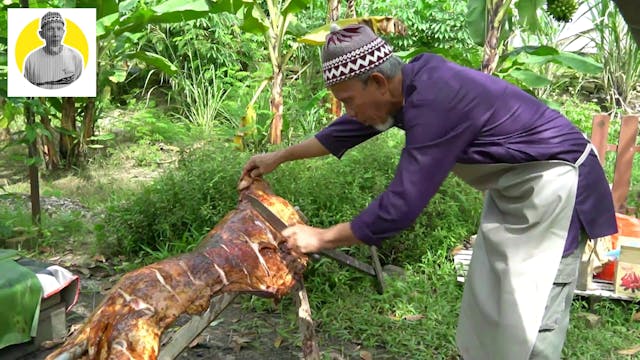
column 543, row 183
column 54, row 65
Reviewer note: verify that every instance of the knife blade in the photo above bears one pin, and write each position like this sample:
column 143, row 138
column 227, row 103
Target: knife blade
column 280, row 225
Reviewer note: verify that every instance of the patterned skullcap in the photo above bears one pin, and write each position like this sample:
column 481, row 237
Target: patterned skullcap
column 351, row 51
column 50, row 17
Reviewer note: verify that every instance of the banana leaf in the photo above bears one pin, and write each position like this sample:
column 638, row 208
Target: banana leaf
column 20, row 294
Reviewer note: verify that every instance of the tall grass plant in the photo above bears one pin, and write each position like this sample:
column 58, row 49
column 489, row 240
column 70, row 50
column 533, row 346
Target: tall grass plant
column 617, row 51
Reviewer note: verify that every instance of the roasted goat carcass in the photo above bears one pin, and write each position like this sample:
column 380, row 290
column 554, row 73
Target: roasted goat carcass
column 242, row 253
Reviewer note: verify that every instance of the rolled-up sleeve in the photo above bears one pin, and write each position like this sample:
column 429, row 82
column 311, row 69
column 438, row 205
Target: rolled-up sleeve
column 343, row 134
column 434, row 138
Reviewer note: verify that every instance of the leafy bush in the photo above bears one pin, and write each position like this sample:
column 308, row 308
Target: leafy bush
column 430, row 24
column 150, row 125
column 580, row 113
column 178, row 208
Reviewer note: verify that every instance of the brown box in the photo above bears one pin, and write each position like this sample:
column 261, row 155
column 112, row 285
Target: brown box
column 627, row 280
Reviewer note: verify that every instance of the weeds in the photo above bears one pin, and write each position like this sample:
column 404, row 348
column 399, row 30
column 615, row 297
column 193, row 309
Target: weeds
column 202, row 96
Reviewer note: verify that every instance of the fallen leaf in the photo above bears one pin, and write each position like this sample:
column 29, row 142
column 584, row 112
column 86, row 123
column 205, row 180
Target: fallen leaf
column 51, row 343
column 413, row 317
column 196, row 341
column 631, row 351
column 278, row 341
column 636, row 316
column 237, row 342
column 365, row 355
column 73, row 328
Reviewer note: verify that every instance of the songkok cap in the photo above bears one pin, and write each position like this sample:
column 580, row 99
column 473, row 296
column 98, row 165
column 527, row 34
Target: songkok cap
column 51, row 17
column 351, row 51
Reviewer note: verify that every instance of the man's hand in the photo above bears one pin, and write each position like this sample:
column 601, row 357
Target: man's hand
column 261, row 164
column 307, row 239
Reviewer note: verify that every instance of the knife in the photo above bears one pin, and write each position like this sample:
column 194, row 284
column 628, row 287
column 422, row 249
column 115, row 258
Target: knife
column 336, row 255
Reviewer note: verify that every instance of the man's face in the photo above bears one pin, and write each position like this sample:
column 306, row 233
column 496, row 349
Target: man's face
column 52, row 33
column 368, row 102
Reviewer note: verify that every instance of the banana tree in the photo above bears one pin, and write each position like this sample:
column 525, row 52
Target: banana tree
column 273, row 25
column 334, row 15
column 486, row 19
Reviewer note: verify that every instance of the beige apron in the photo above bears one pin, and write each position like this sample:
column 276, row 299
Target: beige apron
column 516, row 255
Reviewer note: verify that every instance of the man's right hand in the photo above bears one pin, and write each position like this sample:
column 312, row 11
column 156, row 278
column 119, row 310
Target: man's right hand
column 261, row 164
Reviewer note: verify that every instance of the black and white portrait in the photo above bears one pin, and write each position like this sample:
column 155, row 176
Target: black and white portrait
column 51, row 52
column 54, row 65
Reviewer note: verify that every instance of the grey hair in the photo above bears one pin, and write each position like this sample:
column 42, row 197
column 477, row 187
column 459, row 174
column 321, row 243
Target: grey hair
column 389, row 69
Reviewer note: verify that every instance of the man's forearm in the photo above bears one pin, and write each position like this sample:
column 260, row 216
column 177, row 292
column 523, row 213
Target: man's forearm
column 304, row 150
column 340, row 235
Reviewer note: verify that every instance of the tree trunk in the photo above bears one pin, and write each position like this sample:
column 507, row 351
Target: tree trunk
column 275, row 134
column 334, row 15
column 88, row 122
column 34, row 179
column 50, row 144
column 492, row 39
column 68, row 123
column 5, row 133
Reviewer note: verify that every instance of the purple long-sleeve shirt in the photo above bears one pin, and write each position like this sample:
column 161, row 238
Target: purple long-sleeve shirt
column 454, row 114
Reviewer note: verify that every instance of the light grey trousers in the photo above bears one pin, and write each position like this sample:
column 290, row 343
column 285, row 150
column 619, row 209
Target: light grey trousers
column 555, row 322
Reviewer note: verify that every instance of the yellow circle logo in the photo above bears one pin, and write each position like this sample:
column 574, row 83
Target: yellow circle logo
column 28, row 40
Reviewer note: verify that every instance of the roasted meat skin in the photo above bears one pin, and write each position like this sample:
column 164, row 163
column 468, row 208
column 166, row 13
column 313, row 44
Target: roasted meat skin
column 242, row 253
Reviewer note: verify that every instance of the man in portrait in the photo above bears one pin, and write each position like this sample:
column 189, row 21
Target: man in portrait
column 54, row 65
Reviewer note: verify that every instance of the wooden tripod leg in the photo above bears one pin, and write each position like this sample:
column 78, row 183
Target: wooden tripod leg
column 305, row 323
column 378, row 269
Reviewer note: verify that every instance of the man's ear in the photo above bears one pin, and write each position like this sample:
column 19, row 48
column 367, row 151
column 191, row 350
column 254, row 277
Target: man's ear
column 380, row 81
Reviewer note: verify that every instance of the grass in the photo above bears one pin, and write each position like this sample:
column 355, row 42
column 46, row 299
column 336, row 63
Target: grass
column 158, row 213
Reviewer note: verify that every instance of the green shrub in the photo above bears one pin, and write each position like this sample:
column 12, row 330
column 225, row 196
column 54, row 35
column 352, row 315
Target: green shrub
column 178, row 208
column 580, row 113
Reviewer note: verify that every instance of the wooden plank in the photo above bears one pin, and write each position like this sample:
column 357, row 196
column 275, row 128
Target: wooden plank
column 600, row 135
column 183, row 337
column 624, row 161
